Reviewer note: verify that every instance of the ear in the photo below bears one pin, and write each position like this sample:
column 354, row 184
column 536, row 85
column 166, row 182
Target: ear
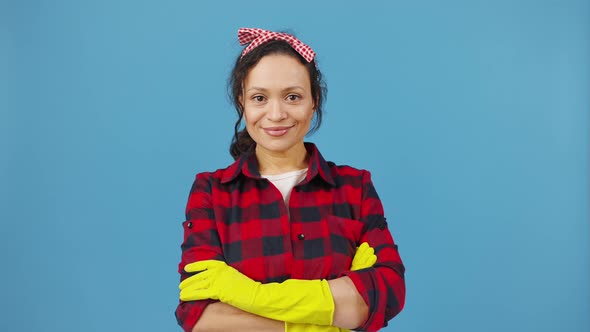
column 315, row 104
column 241, row 96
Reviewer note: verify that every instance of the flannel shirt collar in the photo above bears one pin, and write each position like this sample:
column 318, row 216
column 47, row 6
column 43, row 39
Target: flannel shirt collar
column 247, row 164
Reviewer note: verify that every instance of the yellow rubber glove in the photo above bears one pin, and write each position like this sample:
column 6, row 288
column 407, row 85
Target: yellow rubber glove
column 294, row 301
column 364, row 257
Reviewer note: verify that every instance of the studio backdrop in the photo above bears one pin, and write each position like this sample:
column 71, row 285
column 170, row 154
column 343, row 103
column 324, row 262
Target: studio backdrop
column 472, row 116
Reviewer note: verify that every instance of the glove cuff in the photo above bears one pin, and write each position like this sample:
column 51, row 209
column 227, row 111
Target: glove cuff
column 295, row 301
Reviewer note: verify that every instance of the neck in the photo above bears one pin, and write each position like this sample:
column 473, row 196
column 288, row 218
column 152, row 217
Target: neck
column 271, row 162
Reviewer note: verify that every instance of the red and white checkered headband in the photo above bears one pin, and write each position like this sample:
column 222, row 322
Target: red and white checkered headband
column 257, row 37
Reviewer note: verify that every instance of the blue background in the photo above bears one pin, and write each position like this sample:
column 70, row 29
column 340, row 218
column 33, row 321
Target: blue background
column 473, row 117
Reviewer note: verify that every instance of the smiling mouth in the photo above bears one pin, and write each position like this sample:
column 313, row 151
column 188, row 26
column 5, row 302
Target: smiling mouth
column 277, row 131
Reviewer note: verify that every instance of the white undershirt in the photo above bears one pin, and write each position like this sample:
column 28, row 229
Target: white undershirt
column 286, row 181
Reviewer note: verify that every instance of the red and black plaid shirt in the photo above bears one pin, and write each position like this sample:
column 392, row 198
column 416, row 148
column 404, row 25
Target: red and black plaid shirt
column 235, row 215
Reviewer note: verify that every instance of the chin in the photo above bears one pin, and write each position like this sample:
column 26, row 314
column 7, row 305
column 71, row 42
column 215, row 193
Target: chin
column 278, row 146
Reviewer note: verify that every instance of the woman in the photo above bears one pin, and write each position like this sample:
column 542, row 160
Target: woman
column 269, row 241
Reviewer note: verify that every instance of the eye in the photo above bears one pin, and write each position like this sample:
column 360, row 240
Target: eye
column 258, row 98
column 293, row 97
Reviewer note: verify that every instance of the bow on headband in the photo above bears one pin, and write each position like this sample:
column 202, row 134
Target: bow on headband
column 256, row 37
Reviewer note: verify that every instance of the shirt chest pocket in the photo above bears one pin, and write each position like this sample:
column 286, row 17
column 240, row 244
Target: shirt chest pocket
column 345, row 235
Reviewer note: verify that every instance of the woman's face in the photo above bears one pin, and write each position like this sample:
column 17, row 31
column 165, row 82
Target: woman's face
column 278, row 106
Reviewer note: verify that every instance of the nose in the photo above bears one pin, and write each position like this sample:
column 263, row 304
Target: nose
column 275, row 111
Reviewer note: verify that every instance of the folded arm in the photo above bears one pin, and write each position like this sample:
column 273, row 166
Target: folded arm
column 382, row 287
column 219, row 316
column 350, row 310
column 319, row 302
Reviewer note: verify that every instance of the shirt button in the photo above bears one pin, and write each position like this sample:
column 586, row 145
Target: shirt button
column 301, row 236
column 189, row 224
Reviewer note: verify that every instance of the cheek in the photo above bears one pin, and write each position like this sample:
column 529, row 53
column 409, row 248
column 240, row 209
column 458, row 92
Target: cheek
column 309, row 116
column 250, row 118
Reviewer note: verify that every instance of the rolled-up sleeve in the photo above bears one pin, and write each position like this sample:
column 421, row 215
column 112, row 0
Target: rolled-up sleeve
column 382, row 287
column 201, row 242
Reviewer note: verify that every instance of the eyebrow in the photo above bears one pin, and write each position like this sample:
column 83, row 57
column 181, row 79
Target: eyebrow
column 294, row 87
